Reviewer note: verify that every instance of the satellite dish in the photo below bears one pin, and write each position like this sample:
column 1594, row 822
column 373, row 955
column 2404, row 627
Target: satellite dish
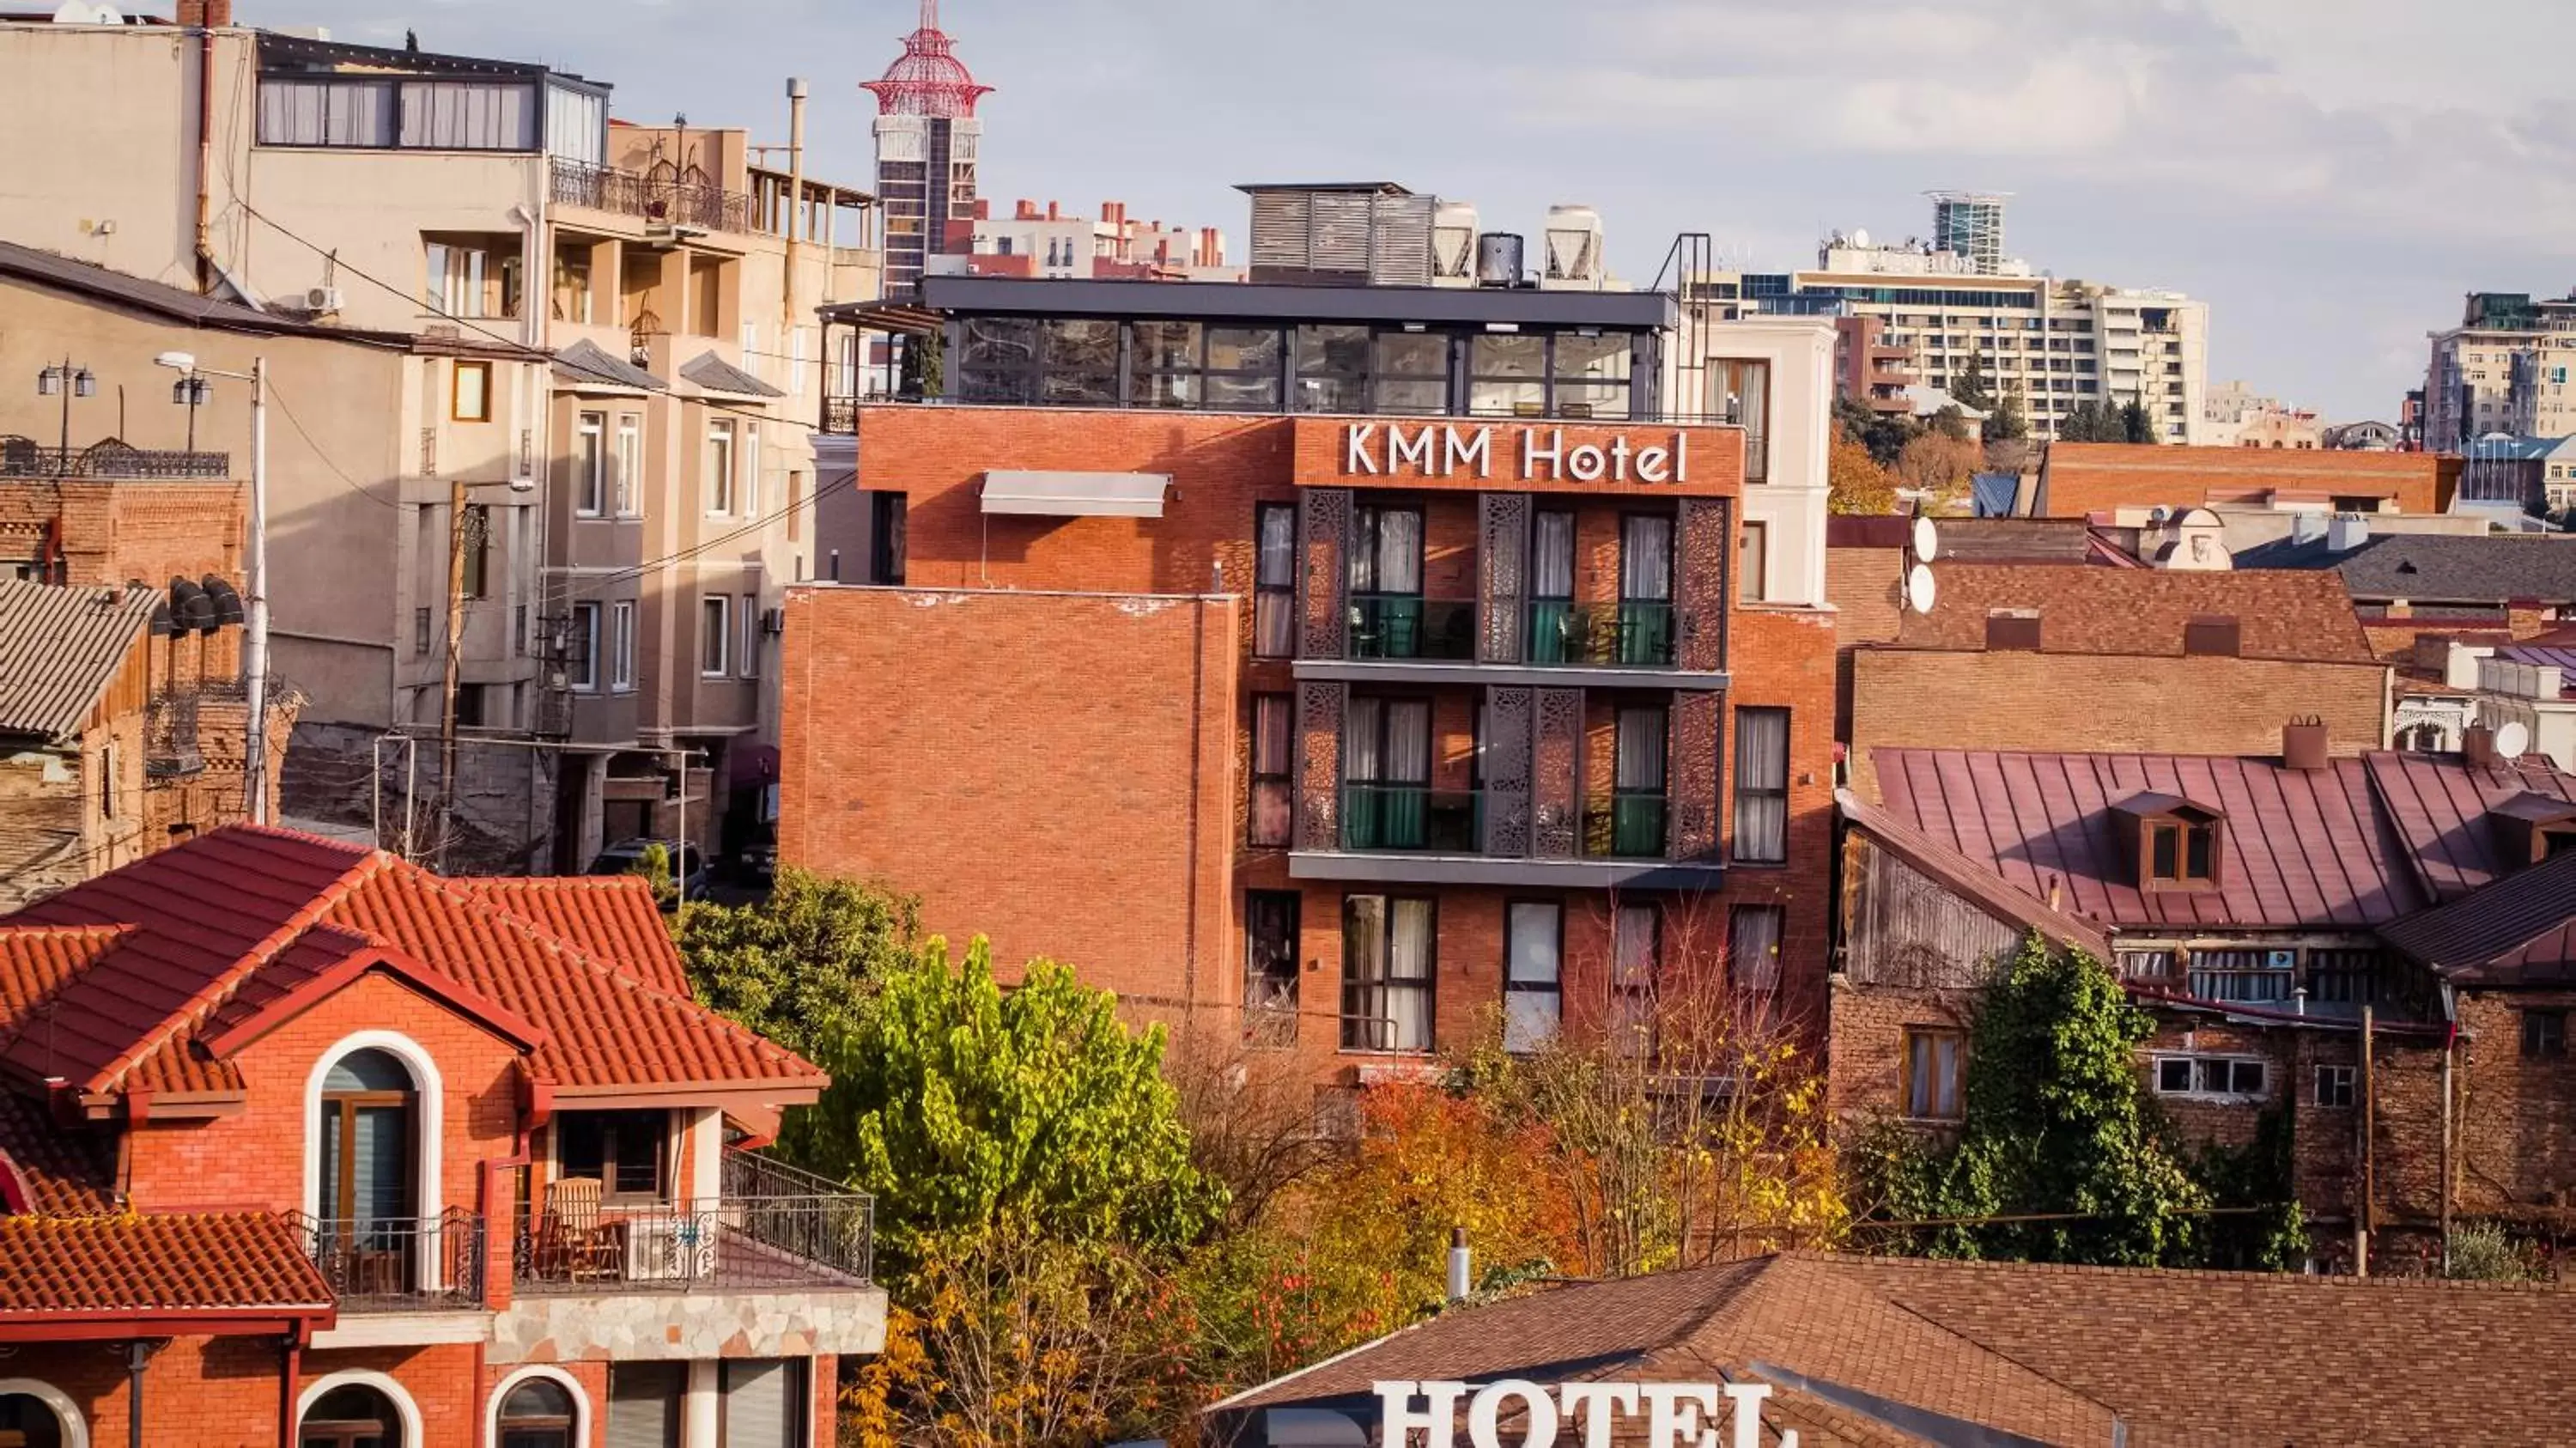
column 1918, row 589
column 1860, row 238
column 2511, row 739
column 1927, row 541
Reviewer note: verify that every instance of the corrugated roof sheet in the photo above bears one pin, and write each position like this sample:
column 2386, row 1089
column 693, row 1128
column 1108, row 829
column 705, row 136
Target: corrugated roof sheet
column 2142, row 611
column 141, row 1265
column 717, row 375
column 59, row 650
column 2519, row 931
column 237, row 919
column 2302, row 848
column 2442, row 806
column 1971, row 881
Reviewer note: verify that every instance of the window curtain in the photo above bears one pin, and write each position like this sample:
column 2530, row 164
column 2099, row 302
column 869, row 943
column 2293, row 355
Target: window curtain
column 1533, row 998
column 1762, row 784
column 1641, row 750
column 1632, row 980
column 1404, row 763
column 1271, row 731
column 1551, row 613
column 760, row 1405
column 1646, row 559
column 1389, row 558
column 1409, row 972
column 1753, row 947
column 1274, row 604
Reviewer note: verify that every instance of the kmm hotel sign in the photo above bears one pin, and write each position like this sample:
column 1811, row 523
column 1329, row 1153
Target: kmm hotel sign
column 1673, row 1415
column 1540, row 454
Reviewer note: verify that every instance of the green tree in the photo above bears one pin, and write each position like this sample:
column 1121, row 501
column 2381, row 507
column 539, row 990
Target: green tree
column 801, row 966
column 2092, row 420
column 2058, row 1123
column 2135, row 423
column 922, row 368
column 1970, row 388
column 2009, row 421
column 956, row 1103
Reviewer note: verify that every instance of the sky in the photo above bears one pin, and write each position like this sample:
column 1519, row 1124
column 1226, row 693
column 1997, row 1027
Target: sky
column 2329, row 175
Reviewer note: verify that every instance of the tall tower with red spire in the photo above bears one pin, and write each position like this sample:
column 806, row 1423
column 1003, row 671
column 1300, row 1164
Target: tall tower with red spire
column 927, row 144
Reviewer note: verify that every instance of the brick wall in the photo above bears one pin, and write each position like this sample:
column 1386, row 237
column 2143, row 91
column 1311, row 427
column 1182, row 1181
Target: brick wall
column 2081, row 702
column 118, row 531
column 2517, row 1131
column 2087, row 478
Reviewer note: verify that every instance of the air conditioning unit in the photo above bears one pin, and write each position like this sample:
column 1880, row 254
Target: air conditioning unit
column 2281, row 959
column 322, row 299
column 773, row 620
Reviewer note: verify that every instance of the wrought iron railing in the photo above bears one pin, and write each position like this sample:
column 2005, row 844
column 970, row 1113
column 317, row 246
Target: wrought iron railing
column 628, row 193
column 23, row 458
column 773, row 1228
column 397, row 1264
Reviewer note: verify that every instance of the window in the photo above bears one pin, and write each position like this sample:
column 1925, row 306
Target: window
column 763, row 1404
column 537, row 1414
column 1743, row 388
column 715, row 634
column 1635, row 951
column 420, row 630
column 1274, row 580
column 107, row 780
column 2013, row 628
column 1762, row 786
column 590, row 464
column 1386, row 773
column 1386, row 583
column 1590, row 377
column 626, row 1152
column 795, row 508
column 2182, row 851
column 630, row 462
column 581, row 648
column 2544, row 1035
column 1646, row 589
column 749, row 615
column 470, row 392
column 2235, row 1078
column 886, row 529
column 1637, row 804
column 621, row 646
column 720, row 475
column 1270, row 952
column 1752, row 563
column 1555, row 631
column 352, row 1416
column 519, row 629
column 1507, row 375
column 470, row 281
column 644, row 1404
column 2211, row 636
column 2334, row 1085
column 325, row 113
column 1412, row 372
column 476, row 540
column 1533, row 973
column 1333, row 368
column 1386, row 973
column 1079, row 361
column 1753, row 947
column 1933, row 1062
column 751, row 470
column 1273, row 734
column 365, row 1139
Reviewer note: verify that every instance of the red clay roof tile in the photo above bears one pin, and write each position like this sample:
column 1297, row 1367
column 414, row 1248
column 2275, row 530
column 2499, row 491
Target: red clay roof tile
column 607, row 917
column 2279, row 614
column 142, row 1265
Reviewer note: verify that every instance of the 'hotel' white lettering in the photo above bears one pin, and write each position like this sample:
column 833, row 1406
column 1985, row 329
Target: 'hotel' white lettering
column 1678, row 1415
column 1372, row 449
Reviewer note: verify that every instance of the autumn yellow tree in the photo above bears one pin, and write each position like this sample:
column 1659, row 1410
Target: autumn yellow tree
column 1855, row 483
column 1939, row 465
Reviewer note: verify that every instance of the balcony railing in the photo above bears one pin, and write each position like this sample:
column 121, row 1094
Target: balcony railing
column 1632, row 828
column 1635, row 633
column 23, row 458
column 1409, row 626
column 674, row 202
column 398, row 1264
column 1412, row 817
column 773, row 1228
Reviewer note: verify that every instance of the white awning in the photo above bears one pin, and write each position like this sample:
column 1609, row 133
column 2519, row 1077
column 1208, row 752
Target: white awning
column 1076, row 495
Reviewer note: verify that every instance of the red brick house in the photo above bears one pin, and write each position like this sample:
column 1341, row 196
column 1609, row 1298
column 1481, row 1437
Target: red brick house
column 301, row 1145
column 2275, row 915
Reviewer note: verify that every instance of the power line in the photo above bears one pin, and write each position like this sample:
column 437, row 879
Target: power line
column 279, row 396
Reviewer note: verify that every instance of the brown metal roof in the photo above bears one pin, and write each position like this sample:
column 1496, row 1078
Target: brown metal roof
column 2303, row 848
column 2521, row 930
column 2443, row 809
column 1970, row 881
column 59, row 650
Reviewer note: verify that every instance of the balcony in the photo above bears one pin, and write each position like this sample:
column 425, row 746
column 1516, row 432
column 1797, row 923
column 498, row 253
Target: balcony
column 773, row 1228
column 398, row 1264
column 1634, row 634
column 1632, row 828
column 1412, row 817
column 670, row 201
column 1408, row 626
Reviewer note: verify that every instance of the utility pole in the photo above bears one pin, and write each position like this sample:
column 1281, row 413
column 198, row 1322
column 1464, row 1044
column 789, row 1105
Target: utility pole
column 456, row 541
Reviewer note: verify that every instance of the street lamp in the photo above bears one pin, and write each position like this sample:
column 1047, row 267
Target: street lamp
column 192, row 379
column 66, row 380
column 191, row 393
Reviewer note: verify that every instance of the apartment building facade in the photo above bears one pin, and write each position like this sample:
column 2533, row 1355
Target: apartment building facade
column 2503, row 369
column 307, row 1145
column 1343, row 671
column 1045, row 241
column 490, row 212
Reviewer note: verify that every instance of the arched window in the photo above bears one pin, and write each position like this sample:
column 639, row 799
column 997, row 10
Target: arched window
column 537, row 1414
column 368, row 1119
column 28, row 1421
column 353, row 1416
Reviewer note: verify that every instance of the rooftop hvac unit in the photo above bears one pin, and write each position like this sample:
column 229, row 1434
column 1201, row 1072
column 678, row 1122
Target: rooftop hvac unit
column 322, row 299
column 1498, row 259
column 1453, row 243
column 1574, row 246
column 1372, row 234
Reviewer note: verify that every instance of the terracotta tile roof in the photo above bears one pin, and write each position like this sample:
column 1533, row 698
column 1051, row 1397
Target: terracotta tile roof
column 1928, row 1351
column 124, row 1266
column 236, row 921
column 2441, row 806
column 49, row 1170
column 2279, row 615
column 2520, row 930
column 607, row 917
column 2302, row 848
column 59, row 650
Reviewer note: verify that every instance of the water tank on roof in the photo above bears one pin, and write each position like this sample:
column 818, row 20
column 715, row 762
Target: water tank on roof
column 1453, row 244
column 1498, row 259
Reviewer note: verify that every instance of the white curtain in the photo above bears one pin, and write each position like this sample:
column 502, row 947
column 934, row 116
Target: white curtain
column 1271, row 731
column 1641, row 750
column 1409, row 973
column 1753, row 947
column 1407, row 758
column 1274, row 604
column 1360, row 737
column 1552, row 557
column 1632, row 980
column 1762, row 784
column 1389, row 556
column 1646, row 558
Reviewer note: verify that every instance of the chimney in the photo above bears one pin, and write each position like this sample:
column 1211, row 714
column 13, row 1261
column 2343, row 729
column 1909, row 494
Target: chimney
column 1028, row 210
column 206, row 14
column 983, row 209
column 1052, row 214
column 2477, row 746
column 1457, row 1264
column 2303, row 743
column 2346, row 531
column 1114, row 212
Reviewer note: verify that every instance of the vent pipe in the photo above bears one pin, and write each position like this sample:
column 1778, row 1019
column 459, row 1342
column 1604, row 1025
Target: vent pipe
column 1457, row 1264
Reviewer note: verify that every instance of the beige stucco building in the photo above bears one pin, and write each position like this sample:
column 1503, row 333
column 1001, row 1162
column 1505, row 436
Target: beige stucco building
column 631, row 507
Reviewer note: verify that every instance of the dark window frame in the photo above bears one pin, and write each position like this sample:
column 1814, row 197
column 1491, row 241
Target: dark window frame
column 648, row 1129
column 889, row 529
column 1749, row 788
column 2544, row 1034
column 1282, row 780
column 2333, row 1086
column 2013, row 630
column 1511, row 986
column 1428, row 983
column 1266, row 961
column 1269, row 594
column 1950, row 1086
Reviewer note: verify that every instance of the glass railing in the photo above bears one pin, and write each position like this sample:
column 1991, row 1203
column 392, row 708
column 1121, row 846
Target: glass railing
column 1636, row 633
column 1409, row 626
column 1632, row 828
column 1382, row 816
